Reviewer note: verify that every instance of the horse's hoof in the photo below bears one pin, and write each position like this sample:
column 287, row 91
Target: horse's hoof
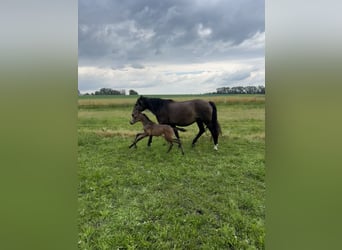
column 215, row 147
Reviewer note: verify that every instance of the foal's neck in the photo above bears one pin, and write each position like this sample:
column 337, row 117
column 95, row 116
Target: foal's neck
column 146, row 121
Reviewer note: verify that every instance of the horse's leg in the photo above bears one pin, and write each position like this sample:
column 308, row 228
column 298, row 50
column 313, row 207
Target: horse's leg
column 214, row 125
column 149, row 141
column 200, row 132
column 214, row 134
column 176, row 131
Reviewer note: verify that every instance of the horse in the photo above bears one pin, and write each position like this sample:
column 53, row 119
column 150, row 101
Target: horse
column 185, row 113
column 153, row 129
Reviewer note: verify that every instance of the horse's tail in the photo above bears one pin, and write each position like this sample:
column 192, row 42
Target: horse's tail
column 214, row 120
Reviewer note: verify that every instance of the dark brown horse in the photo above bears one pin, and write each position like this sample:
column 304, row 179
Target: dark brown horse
column 183, row 113
column 153, row 129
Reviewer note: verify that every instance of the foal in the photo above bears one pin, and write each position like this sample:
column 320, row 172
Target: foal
column 153, row 129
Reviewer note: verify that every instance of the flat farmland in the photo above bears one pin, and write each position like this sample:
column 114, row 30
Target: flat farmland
column 145, row 198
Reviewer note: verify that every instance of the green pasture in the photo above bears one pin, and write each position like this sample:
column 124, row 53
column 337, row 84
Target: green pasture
column 146, row 198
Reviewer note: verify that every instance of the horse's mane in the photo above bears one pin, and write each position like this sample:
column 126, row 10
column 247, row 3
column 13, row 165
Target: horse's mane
column 156, row 104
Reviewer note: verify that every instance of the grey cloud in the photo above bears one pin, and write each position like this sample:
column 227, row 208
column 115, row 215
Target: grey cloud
column 118, row 67
column 131, row 37
column 137, row 66
column 236, row 76
column 230, row 78
column 150, row 30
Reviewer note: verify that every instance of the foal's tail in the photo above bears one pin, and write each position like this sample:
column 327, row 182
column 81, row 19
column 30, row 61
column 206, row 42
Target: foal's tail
column 214, row 120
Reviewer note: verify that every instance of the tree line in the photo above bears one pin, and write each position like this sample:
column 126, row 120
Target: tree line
column 241, row 90
column 223, row 90
column 109, row 91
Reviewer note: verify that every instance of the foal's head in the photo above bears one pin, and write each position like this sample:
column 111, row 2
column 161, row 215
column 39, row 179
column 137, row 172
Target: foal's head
column 136, row 117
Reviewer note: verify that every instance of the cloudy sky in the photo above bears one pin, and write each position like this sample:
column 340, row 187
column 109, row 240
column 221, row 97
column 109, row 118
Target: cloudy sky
column 170, row 46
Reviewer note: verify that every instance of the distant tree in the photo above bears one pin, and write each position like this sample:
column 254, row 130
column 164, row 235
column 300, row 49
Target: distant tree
column 261, row 89
column 108, row 91
column 133, row 92
column 223, row 90
column 238, row 90
column 251, row 89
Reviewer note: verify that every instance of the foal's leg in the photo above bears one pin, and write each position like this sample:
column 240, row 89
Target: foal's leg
column 171, row 145
column 175, row 130
column 200, row 132
column 179, row 144
column 149, row 141
column 135, row 141
column 138, row 137
column 168, row 137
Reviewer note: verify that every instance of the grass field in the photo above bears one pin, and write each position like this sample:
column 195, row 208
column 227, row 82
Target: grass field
column 145, row 198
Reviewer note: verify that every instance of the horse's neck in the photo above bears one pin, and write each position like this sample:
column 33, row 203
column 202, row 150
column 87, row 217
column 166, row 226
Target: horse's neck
column 154, row 105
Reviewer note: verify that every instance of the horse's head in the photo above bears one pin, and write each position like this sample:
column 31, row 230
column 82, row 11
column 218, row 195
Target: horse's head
column 140, row 105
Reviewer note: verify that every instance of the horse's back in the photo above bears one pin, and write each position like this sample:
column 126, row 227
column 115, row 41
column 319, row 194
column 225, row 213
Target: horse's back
column 187, row 112
column 204, row 110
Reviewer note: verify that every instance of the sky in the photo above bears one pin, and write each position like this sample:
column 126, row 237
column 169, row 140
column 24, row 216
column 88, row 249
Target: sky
column 170, row 46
